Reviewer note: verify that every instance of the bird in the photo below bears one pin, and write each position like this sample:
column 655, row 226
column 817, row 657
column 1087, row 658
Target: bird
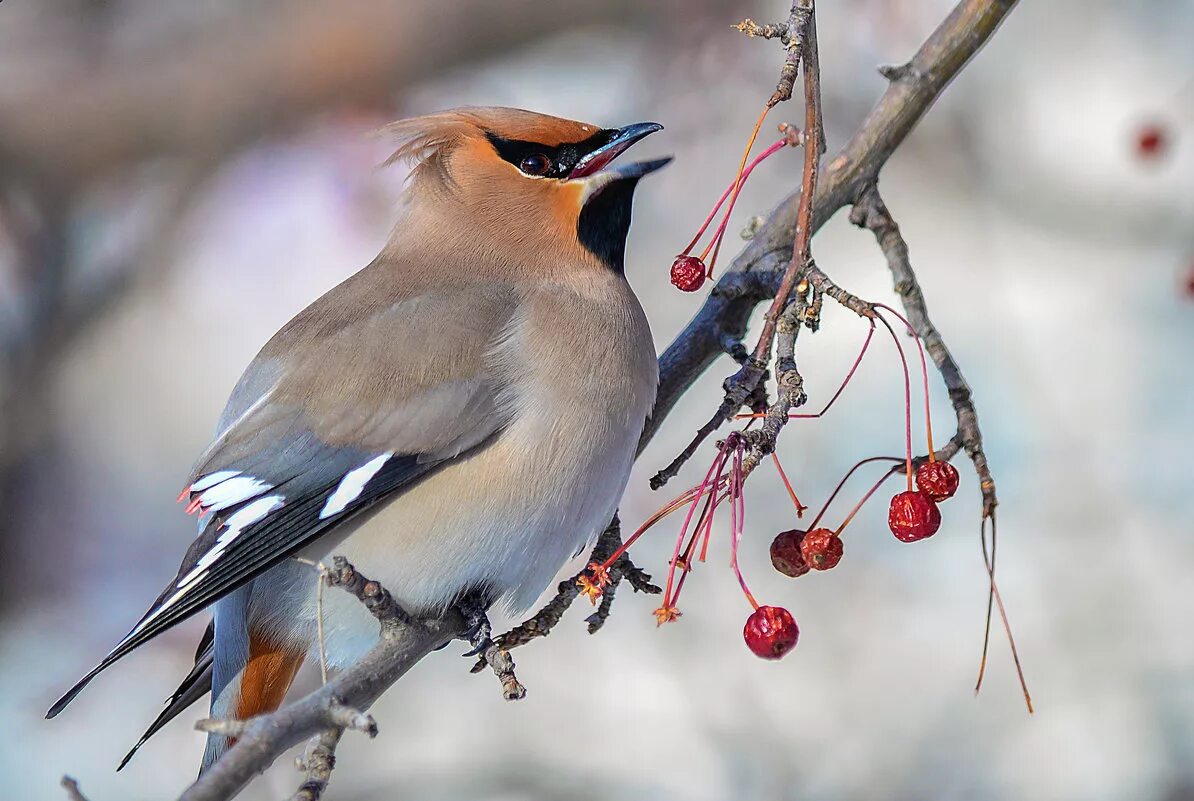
column 457, row 419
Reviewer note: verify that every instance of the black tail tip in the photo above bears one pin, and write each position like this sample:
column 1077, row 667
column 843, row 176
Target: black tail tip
column 62, row 702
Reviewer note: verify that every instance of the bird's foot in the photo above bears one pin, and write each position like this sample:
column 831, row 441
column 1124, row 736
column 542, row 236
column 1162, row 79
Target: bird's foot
column 478, row 630
column 479, row 634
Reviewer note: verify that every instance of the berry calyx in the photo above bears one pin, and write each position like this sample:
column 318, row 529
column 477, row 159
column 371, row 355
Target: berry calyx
column 822, row 549
column 913, row 516
column 688, row 273
column 938, row 480
column 786, row 556
column 770, row 632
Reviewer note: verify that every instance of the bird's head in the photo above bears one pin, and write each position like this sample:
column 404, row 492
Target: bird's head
column 542, row 183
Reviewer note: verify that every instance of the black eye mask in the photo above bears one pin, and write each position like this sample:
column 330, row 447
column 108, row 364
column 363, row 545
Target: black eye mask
column 563, row 157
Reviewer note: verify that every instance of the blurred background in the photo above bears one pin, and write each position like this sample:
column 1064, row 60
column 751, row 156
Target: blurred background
column 178, row 179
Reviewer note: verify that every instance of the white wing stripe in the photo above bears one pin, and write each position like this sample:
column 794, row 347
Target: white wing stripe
column 237, row 522
column 233, row 491
column 353, row 484
column 211, row 479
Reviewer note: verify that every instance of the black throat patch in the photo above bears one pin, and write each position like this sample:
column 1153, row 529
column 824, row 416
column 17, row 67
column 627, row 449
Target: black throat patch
column 604, row 223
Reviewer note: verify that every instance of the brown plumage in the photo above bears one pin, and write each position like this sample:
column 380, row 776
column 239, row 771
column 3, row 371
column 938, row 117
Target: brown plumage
column 459, row 417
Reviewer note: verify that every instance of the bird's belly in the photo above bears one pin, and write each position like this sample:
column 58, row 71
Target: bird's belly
column 506, row 518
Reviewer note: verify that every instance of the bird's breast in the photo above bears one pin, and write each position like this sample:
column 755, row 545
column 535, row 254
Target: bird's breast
column 580, row 383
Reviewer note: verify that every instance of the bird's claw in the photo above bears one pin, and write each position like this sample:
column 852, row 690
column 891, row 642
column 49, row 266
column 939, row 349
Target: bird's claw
column 478, row 648
column 478, row 630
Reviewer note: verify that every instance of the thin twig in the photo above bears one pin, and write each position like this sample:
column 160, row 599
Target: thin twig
column 871, row 212
column 543, row 621
column 790, row 392
column 318, row 761
column 73, row 793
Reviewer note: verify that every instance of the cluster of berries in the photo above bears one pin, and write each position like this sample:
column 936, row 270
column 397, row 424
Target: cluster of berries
column 771, row 631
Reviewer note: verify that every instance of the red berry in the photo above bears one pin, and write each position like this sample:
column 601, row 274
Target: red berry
column 913, row 516
column 822, row 549
column 1150, row 141
column 938, row 480
column 785, row 553
column 688, row 273
column 771, row 632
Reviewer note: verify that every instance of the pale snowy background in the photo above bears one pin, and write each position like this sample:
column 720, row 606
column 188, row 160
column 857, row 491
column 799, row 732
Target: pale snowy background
column 1054, row 258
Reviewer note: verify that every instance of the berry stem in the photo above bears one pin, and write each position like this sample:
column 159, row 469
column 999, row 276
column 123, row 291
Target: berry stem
column 696, row 500
column 907, row 399
column 924, row 371
column 849, row 376
column 738, row 181
column 701, row 524
column 738, row 523
column 842, row 483
column 715, row 498
column 754, row 134
column 800, row 508
column 659, row 514
column 993, row 592
column 875, row 488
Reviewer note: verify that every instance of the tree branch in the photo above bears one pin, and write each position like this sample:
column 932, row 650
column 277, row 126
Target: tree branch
column 340, row 703
column 756, row 273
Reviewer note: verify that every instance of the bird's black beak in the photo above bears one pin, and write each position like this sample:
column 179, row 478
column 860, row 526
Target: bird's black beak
column 622, row 139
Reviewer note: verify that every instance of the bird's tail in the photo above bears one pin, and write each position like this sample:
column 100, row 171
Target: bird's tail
column 252, row 669
column 194, row 686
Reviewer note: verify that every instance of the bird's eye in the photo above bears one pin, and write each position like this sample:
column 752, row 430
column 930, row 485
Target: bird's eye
column 535, row 164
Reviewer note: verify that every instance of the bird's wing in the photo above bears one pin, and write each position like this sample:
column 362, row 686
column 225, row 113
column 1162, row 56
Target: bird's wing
column 341, row 409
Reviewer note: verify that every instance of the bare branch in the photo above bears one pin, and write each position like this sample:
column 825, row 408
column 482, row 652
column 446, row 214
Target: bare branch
column 499, row 660
column 871, row 212
column 790, row 386
column 319, row 760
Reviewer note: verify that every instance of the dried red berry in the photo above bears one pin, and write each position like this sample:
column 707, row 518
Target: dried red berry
column 1150, row 141
column 822, row 549
column 938, row 480
column 771, row 632
column 913, row 516
column 785, row 553
column 688, row 273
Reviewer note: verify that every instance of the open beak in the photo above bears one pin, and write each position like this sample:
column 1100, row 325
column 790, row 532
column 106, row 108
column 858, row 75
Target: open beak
column 625, row 137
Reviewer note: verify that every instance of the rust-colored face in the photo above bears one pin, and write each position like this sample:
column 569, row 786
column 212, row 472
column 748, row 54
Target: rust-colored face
column 536, row 181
